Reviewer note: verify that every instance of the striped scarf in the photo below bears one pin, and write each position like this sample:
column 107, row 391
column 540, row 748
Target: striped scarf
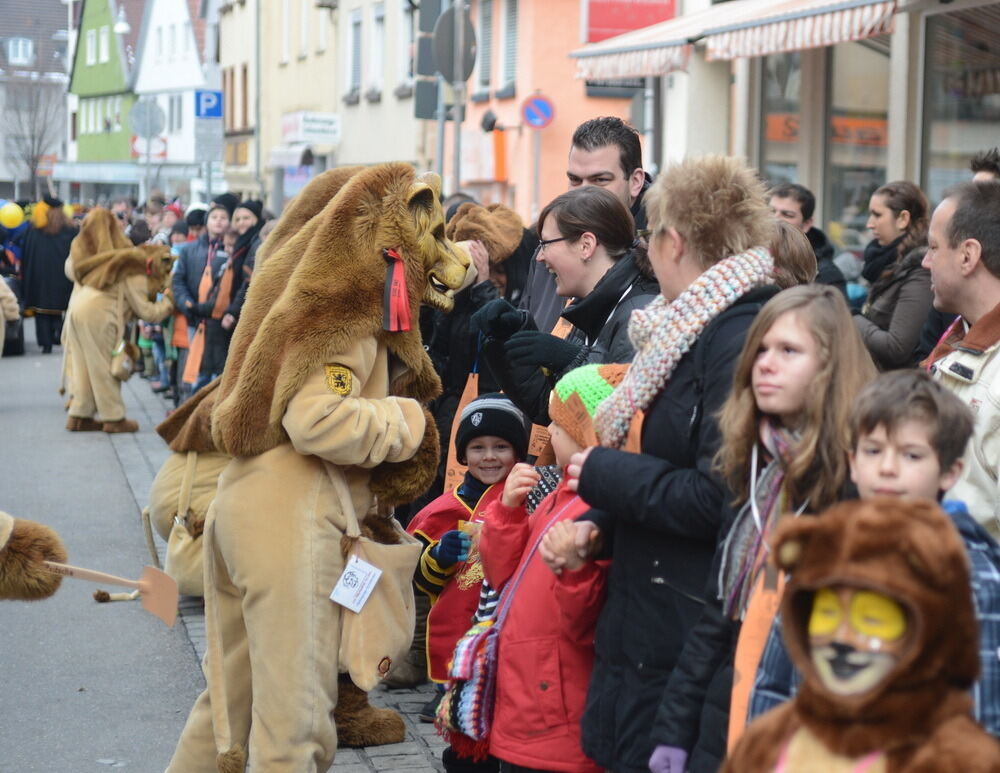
column 746, row 547
column 664, row 331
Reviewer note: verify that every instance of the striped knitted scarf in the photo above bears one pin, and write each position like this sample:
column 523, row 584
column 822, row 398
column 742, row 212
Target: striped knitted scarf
column 664, row 331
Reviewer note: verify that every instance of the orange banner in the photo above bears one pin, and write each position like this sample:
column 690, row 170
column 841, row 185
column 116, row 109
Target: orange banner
column 846, row 130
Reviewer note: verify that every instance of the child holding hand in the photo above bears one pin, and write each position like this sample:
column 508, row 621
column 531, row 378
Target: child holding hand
column 546, row 642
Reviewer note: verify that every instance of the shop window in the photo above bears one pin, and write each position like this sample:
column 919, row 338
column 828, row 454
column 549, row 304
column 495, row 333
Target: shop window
column 780, row 118
column 857, row 137
column 961, row 94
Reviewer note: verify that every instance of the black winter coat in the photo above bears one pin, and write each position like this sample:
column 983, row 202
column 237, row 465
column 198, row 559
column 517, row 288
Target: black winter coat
column 186, row 280
column 660, row 513
column 43, row 261
column 827, row 272
column 600, row 328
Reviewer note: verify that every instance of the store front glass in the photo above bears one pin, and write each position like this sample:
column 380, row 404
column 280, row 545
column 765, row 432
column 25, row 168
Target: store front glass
column 857, row 137
column 780, row 111
column 961, row 94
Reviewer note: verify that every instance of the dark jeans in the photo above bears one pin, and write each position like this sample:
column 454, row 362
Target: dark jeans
column 509, row 767
column 48, row 330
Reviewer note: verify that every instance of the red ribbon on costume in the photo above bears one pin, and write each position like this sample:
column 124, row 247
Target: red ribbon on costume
column 395, row 298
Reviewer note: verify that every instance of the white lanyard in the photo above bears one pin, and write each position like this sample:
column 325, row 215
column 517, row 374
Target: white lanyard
column 627, row 289
column 758, row 521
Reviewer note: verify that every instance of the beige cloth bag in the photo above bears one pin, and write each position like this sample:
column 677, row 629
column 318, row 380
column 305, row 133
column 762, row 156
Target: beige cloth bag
column 374, row 638
column 125, row 356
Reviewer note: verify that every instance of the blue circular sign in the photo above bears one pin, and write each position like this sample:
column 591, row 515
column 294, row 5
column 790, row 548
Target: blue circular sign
column 537, row 111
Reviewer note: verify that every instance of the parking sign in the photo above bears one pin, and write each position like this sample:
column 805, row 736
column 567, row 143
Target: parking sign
column 208, row 104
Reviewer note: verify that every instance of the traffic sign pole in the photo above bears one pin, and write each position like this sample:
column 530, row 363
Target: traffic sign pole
column 537, row 112
column 459, row 88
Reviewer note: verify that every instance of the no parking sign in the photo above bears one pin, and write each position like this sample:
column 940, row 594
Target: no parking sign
column 537, row 111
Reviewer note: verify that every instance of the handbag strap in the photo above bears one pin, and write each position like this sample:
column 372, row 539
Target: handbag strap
column 353, row 528
column 187, row 483
column 507, row 596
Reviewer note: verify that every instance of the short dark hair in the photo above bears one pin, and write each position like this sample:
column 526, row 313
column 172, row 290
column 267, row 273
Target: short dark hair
column 801, row 194
column 977, row 216
column 912, row 395
column 986, row 161
column 609, row 130
column 592, row 210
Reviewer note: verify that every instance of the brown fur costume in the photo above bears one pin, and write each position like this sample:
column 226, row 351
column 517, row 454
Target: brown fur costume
column 102, row 255
column 23, row 546
column 919, row 715
column 496, row 226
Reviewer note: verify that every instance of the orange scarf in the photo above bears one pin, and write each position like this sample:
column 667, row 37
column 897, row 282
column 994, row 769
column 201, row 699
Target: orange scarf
column 222, row 298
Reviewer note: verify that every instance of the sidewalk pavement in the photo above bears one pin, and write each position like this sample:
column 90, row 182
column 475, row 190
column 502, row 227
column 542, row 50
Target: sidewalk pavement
column 142, row 455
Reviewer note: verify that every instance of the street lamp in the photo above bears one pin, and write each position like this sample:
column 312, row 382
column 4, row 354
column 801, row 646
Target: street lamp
column 122, row 27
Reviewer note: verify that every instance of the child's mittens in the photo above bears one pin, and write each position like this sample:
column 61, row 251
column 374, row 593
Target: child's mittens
column 453, row 547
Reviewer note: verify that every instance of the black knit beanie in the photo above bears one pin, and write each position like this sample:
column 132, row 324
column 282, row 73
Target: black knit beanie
column 492, row 414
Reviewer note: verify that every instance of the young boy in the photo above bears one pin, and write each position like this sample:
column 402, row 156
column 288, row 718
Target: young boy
column 491, row 438
column 908, row 436
column 546, row 646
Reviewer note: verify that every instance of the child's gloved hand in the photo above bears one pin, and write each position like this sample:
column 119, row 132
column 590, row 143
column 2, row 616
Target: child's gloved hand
column 453, row 547
column 668, row 759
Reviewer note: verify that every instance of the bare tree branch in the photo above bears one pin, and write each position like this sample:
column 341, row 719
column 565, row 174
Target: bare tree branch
column 34, row 117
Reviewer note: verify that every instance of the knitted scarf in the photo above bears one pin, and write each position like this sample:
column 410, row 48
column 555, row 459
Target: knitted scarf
column 664, row 331
column 746, row 547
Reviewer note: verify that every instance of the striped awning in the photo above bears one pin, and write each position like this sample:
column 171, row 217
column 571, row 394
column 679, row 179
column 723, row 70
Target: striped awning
column 796, row 25
column 729, row 30
column 655, row 50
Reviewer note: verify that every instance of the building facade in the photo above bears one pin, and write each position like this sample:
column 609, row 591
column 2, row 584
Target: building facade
column 33, row 78
column 840, row 97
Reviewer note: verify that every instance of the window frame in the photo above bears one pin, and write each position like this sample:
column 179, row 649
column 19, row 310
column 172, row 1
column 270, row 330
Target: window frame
column 104, row 45
column 90, row 47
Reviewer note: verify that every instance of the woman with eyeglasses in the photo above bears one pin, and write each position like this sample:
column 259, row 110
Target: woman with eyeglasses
column 587, row 241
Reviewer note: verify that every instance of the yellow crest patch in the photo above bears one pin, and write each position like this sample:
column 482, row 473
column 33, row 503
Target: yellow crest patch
column 339, row 379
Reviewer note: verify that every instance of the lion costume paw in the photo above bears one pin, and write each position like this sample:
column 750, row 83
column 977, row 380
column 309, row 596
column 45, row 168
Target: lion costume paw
column 360, row 724
column 24, row 545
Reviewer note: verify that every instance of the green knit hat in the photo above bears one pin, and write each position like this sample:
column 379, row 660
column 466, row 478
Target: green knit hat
column 576, row 396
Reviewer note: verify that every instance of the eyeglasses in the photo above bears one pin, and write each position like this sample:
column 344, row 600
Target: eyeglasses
column 543, row 243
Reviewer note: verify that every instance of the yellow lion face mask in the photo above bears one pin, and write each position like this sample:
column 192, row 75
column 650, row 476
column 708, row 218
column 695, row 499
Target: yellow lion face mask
column 856, row 637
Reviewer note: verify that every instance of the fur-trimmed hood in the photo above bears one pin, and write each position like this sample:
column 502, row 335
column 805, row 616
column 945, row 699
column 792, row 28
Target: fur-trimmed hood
column 102, row 255
column 321, row 290
column 498, row 227
column 911, row 552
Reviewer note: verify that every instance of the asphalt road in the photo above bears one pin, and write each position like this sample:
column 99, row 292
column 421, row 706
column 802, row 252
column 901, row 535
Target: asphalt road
column 83, row 686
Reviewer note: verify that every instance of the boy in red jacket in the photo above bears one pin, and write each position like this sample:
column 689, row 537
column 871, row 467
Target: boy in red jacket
column 546, row 645
column 491, row 437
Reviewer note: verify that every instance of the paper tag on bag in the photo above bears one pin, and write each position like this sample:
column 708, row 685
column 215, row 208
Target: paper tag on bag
column 355, row 584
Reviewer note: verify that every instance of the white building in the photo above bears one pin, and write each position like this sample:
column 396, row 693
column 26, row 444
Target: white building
column 172, row 70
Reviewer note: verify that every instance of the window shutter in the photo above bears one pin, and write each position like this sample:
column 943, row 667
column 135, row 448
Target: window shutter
column 356, row 55
column 510, row 42
column 485, row 42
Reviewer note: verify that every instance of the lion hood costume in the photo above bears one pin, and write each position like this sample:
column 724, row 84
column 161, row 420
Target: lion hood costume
column 903, row 565
column 319, row 406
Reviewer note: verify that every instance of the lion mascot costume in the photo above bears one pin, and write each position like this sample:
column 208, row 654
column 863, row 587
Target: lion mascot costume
column 320, row 406
column 878, row 616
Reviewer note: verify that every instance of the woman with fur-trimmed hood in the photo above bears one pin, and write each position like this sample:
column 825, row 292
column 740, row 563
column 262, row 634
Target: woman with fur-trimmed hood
column 118, row 282
column 320, row 406
column 878, row 617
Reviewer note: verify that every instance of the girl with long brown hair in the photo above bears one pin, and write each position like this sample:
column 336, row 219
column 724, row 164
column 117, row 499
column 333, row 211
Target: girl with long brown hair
column 900, row 296
column 785, row 438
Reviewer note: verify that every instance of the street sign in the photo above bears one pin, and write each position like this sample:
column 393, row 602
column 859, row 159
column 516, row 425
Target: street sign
column 208, row 104
column 537, row 111
column 147, row 118
column 209, row 143
column 153, row 147
column 444, row 46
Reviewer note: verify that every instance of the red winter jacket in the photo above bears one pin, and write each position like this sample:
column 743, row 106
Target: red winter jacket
column 546, row 647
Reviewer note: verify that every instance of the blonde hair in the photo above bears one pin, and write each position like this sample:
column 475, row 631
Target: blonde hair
column 794, row 258
column 716, row 203
column 818, row 468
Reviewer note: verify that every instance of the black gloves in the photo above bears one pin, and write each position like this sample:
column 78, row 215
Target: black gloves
column 453, row 547
column 497, row 319
column 532, row 349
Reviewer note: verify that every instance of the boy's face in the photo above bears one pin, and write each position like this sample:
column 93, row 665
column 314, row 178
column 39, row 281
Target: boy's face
column 489, row 458
column 562, row 444
column 903, row 465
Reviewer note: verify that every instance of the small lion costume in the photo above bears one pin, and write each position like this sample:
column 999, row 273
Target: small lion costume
column 321, row 394
column 118, row 282
column 914, row 714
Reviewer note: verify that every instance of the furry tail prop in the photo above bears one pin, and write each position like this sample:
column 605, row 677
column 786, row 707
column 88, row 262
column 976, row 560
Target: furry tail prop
column 24, row 547
column 103, row 597
column 232, row 761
